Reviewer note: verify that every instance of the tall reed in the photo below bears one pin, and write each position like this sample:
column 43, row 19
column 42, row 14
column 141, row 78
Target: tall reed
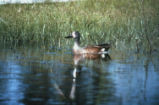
column 120, row 22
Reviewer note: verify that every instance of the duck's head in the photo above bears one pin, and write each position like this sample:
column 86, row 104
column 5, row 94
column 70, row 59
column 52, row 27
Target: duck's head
column 75, row 35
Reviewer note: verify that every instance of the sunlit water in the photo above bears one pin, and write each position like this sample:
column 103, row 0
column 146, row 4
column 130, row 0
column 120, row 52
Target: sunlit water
column 40, row 76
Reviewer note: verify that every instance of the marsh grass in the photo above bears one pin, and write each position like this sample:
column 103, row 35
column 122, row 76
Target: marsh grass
column 127, row 23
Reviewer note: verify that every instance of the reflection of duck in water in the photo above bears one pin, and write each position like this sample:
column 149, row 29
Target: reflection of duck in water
column 97, row 49
column 77, row 68
column 82, row 57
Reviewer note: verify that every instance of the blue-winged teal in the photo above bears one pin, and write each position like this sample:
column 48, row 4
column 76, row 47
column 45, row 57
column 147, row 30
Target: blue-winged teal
column 96, row 49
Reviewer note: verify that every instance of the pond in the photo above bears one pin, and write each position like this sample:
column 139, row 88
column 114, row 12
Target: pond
column 54, row 76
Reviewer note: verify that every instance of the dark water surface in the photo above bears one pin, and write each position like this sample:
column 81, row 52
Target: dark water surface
column 37, row 76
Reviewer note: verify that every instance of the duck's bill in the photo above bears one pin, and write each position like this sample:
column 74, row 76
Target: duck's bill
column 70, row 36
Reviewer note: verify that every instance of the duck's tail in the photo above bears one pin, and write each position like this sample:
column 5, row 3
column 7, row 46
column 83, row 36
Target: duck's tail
column 105, row 46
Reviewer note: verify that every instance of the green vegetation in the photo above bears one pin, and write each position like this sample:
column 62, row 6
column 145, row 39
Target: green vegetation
column 133, row 23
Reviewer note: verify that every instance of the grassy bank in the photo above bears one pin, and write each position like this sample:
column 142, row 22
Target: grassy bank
column 121, row 22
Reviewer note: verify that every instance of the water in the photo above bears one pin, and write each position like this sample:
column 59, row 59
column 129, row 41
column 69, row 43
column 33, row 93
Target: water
column 53, row 76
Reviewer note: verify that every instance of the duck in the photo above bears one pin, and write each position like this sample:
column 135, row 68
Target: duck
column 91, row 49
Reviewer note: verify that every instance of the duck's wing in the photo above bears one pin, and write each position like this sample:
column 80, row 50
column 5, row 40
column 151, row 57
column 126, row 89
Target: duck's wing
column 92, row 49
column 97, row 48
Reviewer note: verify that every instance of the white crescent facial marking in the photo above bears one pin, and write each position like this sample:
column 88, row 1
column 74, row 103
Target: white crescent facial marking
column 73, row 34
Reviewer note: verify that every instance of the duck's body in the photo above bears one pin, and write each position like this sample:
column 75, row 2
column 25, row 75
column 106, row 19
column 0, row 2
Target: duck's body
column 97, row 49
column 89, row 49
